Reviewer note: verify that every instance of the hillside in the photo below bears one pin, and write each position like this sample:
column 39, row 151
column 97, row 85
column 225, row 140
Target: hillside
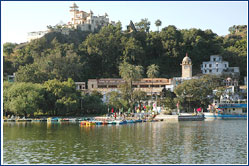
column 82, row 55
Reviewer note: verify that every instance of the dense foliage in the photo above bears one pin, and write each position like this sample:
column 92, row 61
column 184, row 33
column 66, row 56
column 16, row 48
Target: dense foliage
column 81, row 55
column 42, row 67
column 52, row 98
column 196, row 93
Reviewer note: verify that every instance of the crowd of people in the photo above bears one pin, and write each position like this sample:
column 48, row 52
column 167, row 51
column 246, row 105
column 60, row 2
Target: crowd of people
column 137, row 113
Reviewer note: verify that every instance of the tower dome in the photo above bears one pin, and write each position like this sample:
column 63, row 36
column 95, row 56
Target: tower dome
column 186, row 67
column 186, row 60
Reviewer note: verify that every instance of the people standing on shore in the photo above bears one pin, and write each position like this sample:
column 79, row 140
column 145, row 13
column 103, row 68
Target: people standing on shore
column 129, row 111
column 138, row 111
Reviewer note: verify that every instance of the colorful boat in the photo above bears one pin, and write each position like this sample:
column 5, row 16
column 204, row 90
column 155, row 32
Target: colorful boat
column 112, row 122
column 104, row 122
column 130, row 121
column 233, row 111
column 55, row 119
column 65, row 119
column 123, row 122
column 212, row 116
column 90, row 123
column 228, row 111
column 98, row 122
column 23, row 120
column 120, row 122
column 49, row 119
column 36, row 120
column 72, row 119
column 83, row 122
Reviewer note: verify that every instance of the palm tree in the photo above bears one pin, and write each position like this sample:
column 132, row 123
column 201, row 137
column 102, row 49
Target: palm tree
column 130, row 73
column 152, row 72
column 158, row 24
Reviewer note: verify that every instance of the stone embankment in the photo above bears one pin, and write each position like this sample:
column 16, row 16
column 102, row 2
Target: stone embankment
column 167, row 117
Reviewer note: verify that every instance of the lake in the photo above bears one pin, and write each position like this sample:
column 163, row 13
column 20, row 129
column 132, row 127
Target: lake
column 187, row 142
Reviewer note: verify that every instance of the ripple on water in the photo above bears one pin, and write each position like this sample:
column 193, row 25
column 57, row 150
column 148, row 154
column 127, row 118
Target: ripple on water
column 218, row 142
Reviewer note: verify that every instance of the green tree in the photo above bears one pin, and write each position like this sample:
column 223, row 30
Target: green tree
column 62, row 98
column 158, row 23
column 197, row 92
column 152, row 72
column 8, row 48
column 8, row 68
column 114, row 99
column 143, row 25
column 93, row 104
column 24, row 98
column 31, row 73
column 132, row 50
column 139, row 96
column 171, row 54
column 194, row 93
column 129, row 73
column 6, row 87
column 103, row 51
column 168, row 99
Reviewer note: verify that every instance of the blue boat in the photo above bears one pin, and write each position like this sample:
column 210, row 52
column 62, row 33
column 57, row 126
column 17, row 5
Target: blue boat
column 120, row 122
column 123, row 122
column 230, row 116
column 55, row 119
column 98, row 122
column 233, row 111
column 212, row 115
column 130, row 121
column 111, row 122
column 139, row 121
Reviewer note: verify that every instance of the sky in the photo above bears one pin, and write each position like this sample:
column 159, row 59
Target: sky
column 18, row 18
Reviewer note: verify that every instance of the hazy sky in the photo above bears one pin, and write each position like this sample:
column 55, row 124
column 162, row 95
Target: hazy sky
column 19, row 18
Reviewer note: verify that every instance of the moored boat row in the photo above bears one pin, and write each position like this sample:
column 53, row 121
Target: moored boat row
column 114, row 122
column 83, row 121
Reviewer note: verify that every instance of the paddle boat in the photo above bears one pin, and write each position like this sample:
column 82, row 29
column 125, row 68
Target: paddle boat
column 87, row 123
column 104, row 122
column 83, row 122
column 130, row 121
column 98, row 122
column 65, row 119
column 36, row 120
column 72, row 119
column 138, row 121
column 120, row 122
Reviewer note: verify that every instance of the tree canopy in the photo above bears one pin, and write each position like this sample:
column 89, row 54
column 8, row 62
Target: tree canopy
column 83, row 55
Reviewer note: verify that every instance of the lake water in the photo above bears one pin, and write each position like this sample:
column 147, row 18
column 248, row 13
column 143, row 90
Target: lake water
column 197, row 142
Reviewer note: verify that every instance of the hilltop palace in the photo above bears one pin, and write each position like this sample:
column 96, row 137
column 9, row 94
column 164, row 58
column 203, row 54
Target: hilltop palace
column 79, row 20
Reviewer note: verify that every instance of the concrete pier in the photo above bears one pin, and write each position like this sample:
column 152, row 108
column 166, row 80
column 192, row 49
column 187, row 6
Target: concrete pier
column 167, row 117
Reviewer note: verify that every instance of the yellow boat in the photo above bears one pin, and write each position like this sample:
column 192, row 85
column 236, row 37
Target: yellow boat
column 87, row 123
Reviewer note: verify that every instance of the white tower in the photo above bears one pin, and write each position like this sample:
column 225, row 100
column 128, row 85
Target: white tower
column 73, row 11
column 186, row 67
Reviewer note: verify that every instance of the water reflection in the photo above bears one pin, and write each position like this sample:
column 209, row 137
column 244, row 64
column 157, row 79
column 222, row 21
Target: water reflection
column 219, row 142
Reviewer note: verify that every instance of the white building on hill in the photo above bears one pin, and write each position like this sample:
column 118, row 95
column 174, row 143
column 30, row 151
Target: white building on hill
column 79, row 20
column 217, row 66
column 87, row 21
